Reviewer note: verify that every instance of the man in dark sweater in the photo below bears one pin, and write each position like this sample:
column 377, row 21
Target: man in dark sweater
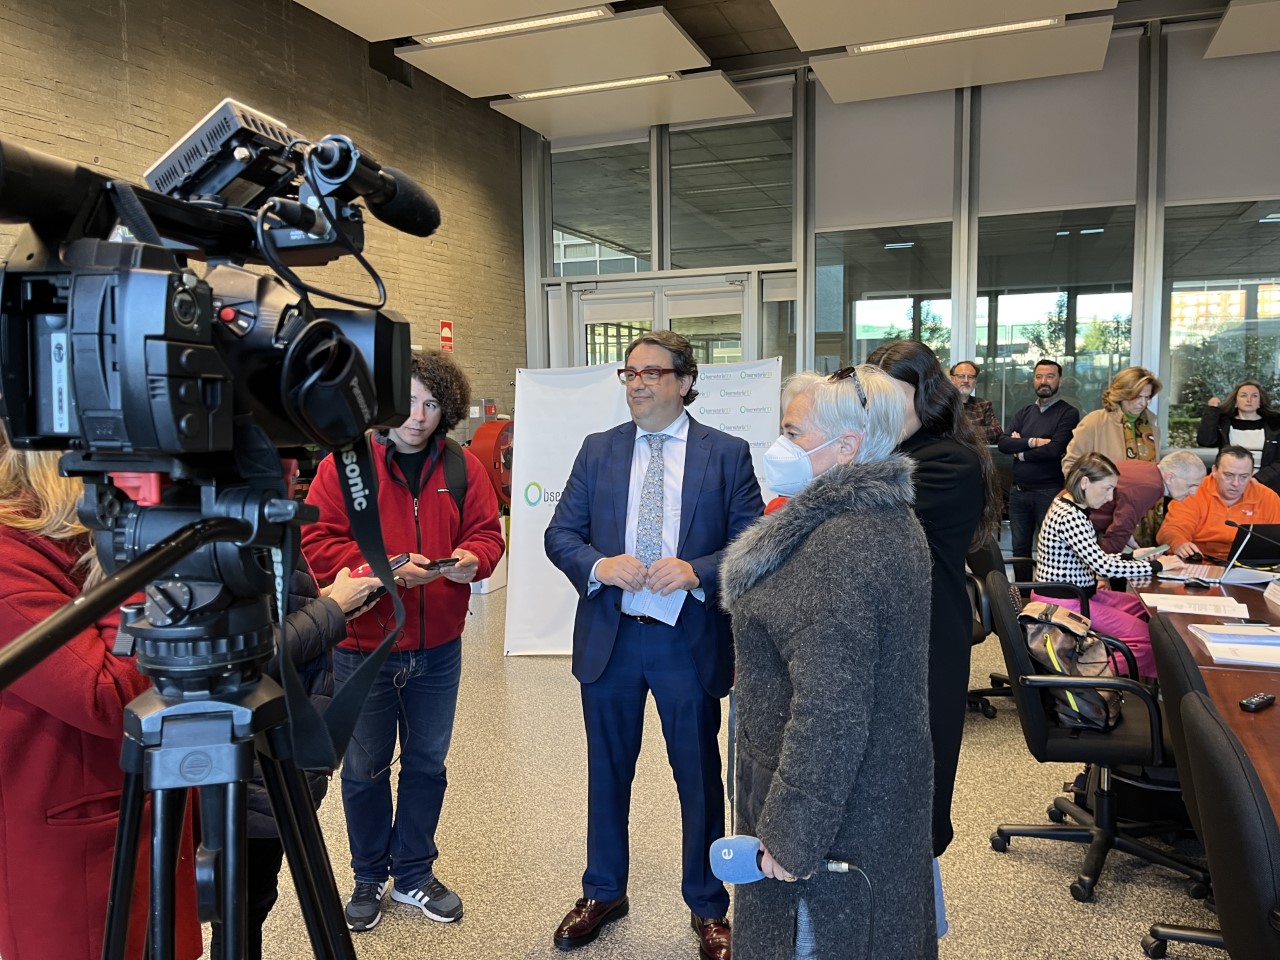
column 1037, row 439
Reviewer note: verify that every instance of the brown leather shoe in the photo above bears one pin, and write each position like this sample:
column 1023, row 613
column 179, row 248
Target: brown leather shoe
column 714, row 938
column 583, row 923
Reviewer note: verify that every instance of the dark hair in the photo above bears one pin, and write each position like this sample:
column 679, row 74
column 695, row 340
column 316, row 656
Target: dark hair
column 940, row 410
column 977, row 370
column 440, row 373
column 1233, row 450
column 1264, row 402
column 683, row 361
column 1048, row 363
column 1094, row 466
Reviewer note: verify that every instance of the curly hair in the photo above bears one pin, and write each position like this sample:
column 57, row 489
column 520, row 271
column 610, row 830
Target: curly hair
column 1127, row 384
column 940, row 410
column 440, row 373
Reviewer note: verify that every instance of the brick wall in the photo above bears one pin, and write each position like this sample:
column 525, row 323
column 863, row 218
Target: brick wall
column 113, row 83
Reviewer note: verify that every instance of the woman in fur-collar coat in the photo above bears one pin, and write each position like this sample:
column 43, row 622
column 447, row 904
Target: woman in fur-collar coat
column 831, row 634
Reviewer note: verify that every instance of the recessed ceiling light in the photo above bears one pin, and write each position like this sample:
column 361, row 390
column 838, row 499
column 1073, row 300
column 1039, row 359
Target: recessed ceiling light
column 595, row 87
column 1271, row 218
column 515, row 26
column 899, row 246
column 950, row 35
column 1064, row 233
column 1094, row 230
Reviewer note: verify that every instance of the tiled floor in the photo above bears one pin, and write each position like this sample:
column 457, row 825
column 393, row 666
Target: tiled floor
column 513, row 832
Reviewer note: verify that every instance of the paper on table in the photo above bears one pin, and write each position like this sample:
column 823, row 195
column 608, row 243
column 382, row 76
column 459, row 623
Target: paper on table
column 1236, row 633
column 646, row 603
column 1214, row 606
column 1247, row 653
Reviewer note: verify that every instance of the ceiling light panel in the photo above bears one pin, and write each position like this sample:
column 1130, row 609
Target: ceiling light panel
column 705, row 96
column 903, row 43
column 392, row 19
column 1078, row 46
column 635, row 44
column 516, row 26
column 823, row 24
column 596, row 87
column 1248, row 26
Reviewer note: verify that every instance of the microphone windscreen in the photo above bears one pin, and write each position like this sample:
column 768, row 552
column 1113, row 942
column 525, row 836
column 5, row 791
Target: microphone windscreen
column 736, row 859
column 410, row 209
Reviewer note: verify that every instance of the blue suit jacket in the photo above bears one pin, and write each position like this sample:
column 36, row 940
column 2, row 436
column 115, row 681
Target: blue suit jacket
column 719, row 499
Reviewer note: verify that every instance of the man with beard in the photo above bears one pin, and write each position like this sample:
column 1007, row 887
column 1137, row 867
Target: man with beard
column 976, row 410
column 1037, row 438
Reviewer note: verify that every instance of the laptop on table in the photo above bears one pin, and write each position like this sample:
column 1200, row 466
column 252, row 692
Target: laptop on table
column 1255, row 545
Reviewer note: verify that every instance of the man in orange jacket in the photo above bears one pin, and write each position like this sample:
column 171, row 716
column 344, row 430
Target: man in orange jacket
column 1198, row 524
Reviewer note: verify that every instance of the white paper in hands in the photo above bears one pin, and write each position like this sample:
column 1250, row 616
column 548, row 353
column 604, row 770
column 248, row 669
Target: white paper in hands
column 646, row 603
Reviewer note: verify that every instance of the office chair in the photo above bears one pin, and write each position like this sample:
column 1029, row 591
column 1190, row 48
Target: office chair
column 1240, row 833
column 1137, row 740
column 1179, row 675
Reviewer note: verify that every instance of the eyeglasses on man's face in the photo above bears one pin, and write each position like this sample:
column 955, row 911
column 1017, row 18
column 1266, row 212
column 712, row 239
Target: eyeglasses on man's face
column 850, row 373
column 964, row 376
column 649, row 375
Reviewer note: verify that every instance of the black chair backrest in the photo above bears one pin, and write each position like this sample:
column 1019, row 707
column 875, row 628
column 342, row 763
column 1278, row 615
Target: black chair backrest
column 1240, row 833
column 985, row 559
column 1030, row 703
column 1179, row 675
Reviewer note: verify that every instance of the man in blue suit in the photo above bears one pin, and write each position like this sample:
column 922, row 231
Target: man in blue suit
column 644, row 518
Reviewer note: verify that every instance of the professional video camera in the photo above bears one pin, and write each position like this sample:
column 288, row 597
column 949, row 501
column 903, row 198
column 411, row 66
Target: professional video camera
column 174, row 393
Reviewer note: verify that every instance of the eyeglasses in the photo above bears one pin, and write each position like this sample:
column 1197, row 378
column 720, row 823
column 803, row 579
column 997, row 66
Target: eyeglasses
column 649, row 375
column 964, row 376
column 850, row 373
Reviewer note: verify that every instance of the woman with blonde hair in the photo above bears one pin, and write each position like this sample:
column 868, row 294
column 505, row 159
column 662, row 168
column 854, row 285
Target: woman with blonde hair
column 61, row 728
column 1123, row 429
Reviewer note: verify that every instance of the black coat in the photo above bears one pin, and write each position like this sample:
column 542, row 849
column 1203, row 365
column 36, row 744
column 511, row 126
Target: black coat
column 310, row 633
column 949, row 502
column 832, row 729
column 1215, row 431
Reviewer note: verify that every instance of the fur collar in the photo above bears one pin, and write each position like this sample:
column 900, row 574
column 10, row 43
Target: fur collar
column 769, row 542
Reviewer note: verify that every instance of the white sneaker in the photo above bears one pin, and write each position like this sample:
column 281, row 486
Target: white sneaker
column 433, row 898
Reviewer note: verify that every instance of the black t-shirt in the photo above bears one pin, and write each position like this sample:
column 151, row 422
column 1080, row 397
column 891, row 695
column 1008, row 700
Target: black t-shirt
column 413, row 466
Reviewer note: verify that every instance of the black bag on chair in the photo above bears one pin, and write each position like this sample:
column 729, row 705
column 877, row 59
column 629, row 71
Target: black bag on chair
column 1060, row 641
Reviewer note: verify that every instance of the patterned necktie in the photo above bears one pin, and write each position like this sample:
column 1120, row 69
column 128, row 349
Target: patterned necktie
column 649, row 531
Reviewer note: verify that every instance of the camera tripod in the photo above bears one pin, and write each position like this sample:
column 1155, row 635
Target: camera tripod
column 199, row 727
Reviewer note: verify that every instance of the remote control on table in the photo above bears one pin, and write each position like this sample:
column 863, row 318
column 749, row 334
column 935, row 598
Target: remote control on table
column 1259, row 701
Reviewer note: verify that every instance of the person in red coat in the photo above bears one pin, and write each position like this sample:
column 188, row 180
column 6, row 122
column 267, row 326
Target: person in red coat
column 61, row 729
column 1141, row 486
column 416, row 692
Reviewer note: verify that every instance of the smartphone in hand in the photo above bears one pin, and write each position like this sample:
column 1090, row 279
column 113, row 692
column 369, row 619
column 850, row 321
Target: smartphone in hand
column 364, row 570
column 1148, row 553
column 442, row 564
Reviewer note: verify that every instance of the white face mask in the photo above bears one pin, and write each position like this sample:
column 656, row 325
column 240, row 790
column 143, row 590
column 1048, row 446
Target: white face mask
column 787, row 467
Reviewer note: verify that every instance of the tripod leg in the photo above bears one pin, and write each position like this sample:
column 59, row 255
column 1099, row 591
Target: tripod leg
column 124, row 866
column 168, row 809
column 234, row 875
column 304, row 849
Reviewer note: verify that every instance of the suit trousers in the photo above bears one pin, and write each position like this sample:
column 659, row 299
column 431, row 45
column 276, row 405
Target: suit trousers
column 652, row 657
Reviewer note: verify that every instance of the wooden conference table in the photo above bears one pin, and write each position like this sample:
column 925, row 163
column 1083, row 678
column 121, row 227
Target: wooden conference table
column 1227, row 685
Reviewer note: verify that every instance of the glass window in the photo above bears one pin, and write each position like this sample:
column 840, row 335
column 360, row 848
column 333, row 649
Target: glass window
column 1056, row 285
column 600, row 196
column 731, row 194
column 1222, row 296
column 888, row 283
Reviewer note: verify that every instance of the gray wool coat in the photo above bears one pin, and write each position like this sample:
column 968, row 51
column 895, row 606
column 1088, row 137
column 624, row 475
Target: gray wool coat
column 830, row 604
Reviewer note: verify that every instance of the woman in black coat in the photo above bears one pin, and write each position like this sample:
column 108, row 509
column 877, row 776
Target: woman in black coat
column 317, row 624
column 1246, row 420
column 958, row 504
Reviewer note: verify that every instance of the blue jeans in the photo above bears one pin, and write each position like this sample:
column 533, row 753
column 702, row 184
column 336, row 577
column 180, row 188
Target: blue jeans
column 1027, row 508
column 415, row 696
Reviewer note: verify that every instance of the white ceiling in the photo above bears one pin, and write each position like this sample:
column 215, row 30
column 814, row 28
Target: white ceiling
column 703, row 96
column 1248, row 26
column 633, row 44
column 823, row 24
column 391, row 19
column 1076, row 47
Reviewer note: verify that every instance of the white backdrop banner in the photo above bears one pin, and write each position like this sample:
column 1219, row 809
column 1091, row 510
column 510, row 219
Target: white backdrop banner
column 555, row 411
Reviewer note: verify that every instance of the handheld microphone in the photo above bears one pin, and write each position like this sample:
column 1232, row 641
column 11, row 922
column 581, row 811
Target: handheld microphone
column 392, row 195
column 737, row 859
